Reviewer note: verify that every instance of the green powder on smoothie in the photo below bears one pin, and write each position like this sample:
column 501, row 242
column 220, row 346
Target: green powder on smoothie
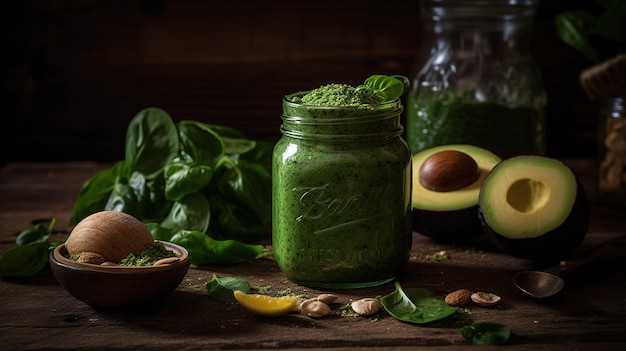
column 340, row 95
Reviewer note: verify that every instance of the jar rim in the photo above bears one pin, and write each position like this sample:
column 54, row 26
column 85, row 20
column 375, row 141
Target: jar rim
column 287, row 101
column 379, row 137
column 300, row 120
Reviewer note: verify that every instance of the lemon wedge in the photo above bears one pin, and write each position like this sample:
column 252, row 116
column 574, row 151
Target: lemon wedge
column 265, row 305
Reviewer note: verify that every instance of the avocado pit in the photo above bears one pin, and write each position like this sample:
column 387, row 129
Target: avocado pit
column 448, row 170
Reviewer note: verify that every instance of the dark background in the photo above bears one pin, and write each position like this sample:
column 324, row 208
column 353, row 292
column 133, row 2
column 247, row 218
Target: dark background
column 75, row 72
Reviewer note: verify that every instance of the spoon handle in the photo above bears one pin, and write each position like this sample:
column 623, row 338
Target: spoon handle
column 588, row 257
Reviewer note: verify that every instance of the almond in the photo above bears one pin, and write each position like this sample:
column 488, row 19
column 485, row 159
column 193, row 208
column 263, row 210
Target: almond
column 458, row 297
column 90, row 257
column 367, row 306
column 485, row 299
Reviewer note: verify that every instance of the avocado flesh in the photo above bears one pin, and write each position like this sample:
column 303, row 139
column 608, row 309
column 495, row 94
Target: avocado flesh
column 450, row 217
column 535, row 208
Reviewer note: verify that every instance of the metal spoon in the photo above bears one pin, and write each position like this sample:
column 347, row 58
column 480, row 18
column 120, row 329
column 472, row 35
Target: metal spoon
column 546, row 283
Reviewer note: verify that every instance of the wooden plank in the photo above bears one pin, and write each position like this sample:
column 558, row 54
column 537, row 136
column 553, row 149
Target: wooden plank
column 36, row 313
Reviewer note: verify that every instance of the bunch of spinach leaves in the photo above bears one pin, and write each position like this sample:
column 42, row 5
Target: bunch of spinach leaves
column 206, row 187
column 598, row 35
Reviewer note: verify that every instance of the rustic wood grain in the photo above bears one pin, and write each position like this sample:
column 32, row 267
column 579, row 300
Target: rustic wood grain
column 37, row 314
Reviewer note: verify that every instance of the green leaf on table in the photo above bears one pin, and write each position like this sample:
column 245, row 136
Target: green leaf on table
column 415, row 305
column 486, row 333
column 35, row 234
column 26, row 260
column 221, row 289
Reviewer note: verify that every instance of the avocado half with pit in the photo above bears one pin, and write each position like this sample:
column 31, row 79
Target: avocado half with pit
column 535, row 208
column 446, row 185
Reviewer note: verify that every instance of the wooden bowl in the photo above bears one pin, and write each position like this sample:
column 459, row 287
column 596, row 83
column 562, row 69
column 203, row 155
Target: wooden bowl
column 103, row 286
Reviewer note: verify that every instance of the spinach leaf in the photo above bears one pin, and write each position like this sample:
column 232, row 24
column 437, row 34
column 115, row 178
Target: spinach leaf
column 35, row 234
column 221, row 289
column 192, row 212
column 31, row 254
column 261, row 154
column 159, row 206
column 573, row 28
column 415, row 305
column 248, row 185
column 151, row 141
column 589, row 33
column 225, row 131
column 160, row 232
column 26, row 260
column 131, row 196
column 183, row 178
column 486, row 333
column 231, row 221
column 387, row 87
column 204, row 249
column 199, row 143
column 95, row 192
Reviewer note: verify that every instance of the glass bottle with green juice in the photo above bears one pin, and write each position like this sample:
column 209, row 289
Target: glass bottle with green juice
column 341, row 186
column 478, row 83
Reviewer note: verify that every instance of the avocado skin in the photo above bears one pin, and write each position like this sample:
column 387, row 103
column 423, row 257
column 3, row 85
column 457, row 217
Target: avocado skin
column 448, row 227
column 553, row 246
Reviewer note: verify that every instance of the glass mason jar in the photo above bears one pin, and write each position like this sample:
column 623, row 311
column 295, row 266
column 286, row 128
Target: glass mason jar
column 478, row 84
column 341, row 186
column 612, row 153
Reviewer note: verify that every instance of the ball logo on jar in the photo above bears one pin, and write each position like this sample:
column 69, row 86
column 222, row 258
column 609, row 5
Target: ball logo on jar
column 341, row 209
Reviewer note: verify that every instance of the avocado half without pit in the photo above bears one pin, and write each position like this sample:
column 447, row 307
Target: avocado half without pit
column 535, row 208
column 446, row 185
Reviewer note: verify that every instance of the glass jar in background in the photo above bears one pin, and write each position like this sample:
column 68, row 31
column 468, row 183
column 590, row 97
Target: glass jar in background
column 612, row 153
column 341, row 188
column 478, row 84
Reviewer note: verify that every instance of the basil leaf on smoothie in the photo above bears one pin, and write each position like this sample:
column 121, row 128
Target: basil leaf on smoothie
column 388, row 88
column 415, row 305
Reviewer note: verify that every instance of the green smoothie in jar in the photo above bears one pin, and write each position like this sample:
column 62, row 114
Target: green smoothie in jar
column 342, row 186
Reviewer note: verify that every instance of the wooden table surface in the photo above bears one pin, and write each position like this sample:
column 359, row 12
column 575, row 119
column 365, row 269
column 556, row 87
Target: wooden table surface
column 37, row 313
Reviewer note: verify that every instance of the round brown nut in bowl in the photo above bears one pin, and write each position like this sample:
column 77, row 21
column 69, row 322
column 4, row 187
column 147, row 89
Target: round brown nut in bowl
column 103, row 286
